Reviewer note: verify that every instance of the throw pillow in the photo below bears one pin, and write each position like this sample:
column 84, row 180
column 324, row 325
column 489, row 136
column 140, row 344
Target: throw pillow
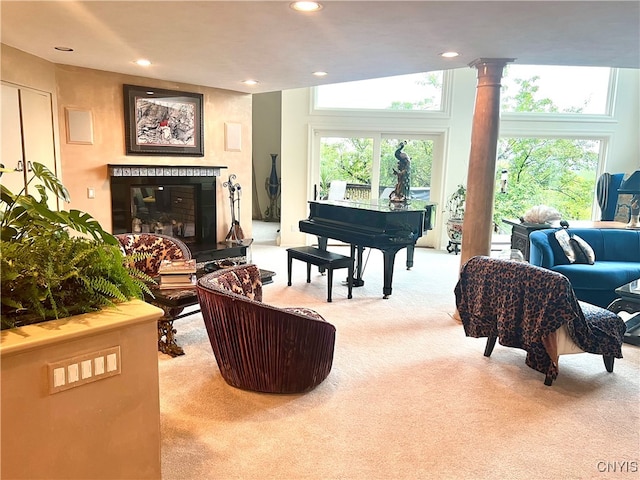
column 583, row 251
column 565, row 242
column 575, row 248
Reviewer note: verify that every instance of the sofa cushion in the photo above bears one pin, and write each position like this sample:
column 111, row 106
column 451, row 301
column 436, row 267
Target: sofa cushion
column 601, row 275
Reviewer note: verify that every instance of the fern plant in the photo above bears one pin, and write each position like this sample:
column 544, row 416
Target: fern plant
column 48, row 271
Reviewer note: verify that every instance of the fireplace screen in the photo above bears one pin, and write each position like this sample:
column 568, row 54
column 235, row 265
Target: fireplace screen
column 166, row 209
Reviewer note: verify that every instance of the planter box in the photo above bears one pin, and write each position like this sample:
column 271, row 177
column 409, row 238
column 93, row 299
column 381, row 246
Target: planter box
column 80, row 396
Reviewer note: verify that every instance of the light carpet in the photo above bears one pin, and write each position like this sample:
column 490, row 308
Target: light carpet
column 408, row 397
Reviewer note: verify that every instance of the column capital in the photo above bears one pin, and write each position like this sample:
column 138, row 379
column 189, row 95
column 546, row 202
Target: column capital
column 498, row 62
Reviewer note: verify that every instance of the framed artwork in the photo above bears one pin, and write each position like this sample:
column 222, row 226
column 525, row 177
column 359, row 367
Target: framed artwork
column 163, row 122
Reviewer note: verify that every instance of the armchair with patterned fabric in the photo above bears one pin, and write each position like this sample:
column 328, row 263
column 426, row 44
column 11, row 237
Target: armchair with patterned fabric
column 535, row 309
column 158, row 247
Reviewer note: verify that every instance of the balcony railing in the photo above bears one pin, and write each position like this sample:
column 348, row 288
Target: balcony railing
column 361, row 191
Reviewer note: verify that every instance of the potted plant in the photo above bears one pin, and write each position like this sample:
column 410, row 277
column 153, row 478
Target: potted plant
column 56, row 265
column 49, row 273
column 455, row 215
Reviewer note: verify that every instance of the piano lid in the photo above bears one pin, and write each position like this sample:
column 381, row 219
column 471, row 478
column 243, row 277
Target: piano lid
column 378, row 205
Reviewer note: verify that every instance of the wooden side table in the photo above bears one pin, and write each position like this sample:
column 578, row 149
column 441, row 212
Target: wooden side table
column 520, row 234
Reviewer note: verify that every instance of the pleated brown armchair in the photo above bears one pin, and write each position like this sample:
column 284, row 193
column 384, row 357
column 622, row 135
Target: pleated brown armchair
column 259, row 347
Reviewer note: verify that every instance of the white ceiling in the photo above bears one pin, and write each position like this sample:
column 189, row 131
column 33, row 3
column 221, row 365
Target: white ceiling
column 219, row 44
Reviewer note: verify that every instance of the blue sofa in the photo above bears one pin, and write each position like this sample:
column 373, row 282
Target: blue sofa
column 617, row 261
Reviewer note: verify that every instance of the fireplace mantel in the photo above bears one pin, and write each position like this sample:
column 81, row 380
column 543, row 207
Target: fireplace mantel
column 164, row 171
column 190, row 188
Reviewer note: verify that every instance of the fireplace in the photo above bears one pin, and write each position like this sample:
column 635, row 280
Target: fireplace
column 175, row 201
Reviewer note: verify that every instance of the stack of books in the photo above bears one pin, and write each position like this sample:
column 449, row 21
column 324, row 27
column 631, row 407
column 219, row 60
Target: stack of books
column 177, row 273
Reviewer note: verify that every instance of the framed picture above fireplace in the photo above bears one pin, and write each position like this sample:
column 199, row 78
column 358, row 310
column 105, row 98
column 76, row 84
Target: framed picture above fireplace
column 163, row 122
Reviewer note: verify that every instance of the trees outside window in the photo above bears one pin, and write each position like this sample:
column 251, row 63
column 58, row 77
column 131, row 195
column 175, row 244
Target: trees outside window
column 346, row 158
column 352, row 159
column 421, row 154
column 557, row 172
column 416, row 92
column 556, row 89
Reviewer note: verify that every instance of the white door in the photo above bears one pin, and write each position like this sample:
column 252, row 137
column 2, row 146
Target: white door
column 12, row 140
column 27, row 136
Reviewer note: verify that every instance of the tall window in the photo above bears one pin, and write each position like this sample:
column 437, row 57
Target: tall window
column 559, row 173
column 419, row 92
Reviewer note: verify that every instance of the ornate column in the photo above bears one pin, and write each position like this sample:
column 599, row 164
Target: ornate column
column 478, row 221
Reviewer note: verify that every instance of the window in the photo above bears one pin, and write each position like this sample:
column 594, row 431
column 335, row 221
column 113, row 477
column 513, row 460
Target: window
column 553, row 89
column 556, row 172
column 417, row 92
column 348, row 159
column 366, row 163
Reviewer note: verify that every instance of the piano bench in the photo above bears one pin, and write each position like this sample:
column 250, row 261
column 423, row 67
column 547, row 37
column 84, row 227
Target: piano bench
column 321, row 258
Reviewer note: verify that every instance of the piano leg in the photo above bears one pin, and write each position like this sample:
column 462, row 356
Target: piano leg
column 357, row 278
column 389, row 258
column 322, row 245
column 410, row 250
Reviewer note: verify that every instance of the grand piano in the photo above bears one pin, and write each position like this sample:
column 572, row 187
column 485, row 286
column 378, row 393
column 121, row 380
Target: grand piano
column 378, row 223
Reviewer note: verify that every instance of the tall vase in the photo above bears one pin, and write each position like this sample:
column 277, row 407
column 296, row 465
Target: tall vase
column 273, row 178
column 272, row 185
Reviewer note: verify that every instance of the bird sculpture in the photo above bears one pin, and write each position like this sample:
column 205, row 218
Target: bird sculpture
column 400, row 193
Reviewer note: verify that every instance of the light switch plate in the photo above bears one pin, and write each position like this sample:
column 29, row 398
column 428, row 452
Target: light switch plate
column 83, row 369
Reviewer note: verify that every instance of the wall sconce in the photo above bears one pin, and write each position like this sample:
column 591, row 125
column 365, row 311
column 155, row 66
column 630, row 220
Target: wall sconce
column 632, row 186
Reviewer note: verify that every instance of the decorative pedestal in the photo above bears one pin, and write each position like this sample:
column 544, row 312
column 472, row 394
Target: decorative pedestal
column 454, row 231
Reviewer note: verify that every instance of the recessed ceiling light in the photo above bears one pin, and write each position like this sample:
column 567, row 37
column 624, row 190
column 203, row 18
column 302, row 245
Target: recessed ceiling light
column 143, row 62
column 64, row 49
column 449, row 54
column 306, row 6
column 250, row 82
column 320, row 74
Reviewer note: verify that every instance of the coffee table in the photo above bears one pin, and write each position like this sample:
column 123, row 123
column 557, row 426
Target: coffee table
column 629, row 302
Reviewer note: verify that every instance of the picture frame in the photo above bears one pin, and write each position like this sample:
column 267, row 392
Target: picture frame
column 163, row 122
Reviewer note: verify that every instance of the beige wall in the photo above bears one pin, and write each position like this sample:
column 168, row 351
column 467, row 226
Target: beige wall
column 267, row 133
column 85, row 166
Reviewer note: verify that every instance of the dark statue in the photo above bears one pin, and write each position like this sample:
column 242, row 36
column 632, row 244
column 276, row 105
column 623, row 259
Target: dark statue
column 401, row 192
